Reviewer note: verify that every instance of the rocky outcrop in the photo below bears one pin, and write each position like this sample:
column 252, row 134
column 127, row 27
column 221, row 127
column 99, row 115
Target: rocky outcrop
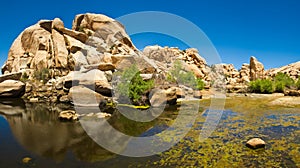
column 85, row 97
column 292, row 93
column 56, row 61
column 257, row 70
column 11, row 76
column 293, row 70
column 245, row 73
column 48, row 44
column 165, row 57
column 87, row 55
column 12, row 88
column 161, row 97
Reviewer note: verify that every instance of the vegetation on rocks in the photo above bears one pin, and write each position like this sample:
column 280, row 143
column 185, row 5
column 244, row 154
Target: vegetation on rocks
column 42, row 75
column 261, row 86
column 282, row 81
column 133, row 86
column 298, row 84
column 176, row 74
column 24, row 77
column 279, row 84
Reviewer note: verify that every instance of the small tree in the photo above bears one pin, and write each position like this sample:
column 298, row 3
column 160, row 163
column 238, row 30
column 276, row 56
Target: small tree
column 177, row 74
column 132, row 85
column 42, row 74
column 298, row 84
column 200, row 84
column 282, row 81
column 261, row 86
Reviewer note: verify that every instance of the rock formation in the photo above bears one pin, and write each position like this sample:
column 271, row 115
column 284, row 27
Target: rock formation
column 165, row 57
column 53, row 60
column 293, row 70
column 256, row 69
column 245, row 73
column 12, row 88
column 86, row 55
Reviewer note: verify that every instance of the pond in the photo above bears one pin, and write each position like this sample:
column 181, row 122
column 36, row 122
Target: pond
column 34, row 131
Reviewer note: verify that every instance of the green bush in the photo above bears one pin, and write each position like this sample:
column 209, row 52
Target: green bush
column 261, row 86
column 176, row 74
column 24, row 77
column 200, row 84
column 42, row 74
column 132, row 85
column 81, row 29
column 298, row 84
column 282, row 81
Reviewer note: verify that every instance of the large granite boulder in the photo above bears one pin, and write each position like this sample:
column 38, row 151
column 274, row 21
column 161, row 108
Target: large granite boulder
column 85, row 97
column 110, row 35
column 12, row 88
column 49, row 45
column 257, row 70
column 245, row 73
column 11, row 76
column 160, row 97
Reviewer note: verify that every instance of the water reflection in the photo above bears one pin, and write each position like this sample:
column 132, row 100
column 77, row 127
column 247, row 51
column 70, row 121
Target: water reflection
column 37, row 129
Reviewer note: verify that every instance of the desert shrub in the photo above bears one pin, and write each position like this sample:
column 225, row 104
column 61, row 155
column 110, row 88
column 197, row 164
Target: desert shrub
column 176, row 74
column 282, row 81
column 261, row 86
column 132, row 84
column 200, row 84
column 24, row 77
column 42, row 74
column 81, row 29
column 297, row 85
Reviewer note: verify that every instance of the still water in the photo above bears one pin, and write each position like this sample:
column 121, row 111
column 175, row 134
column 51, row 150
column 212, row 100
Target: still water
column 34, row 131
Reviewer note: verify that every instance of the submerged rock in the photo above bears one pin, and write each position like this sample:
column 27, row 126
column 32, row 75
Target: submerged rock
column 68, row 115
column 26, row 160
column 256, row 143
column 34, row 100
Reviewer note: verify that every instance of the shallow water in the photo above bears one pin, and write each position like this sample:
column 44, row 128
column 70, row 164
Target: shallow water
column 34, row 131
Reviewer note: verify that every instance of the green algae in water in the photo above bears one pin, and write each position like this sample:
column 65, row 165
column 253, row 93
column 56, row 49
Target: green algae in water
column 278, row 126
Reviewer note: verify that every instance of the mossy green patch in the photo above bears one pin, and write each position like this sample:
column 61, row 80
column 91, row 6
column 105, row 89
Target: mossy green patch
column 252, row 117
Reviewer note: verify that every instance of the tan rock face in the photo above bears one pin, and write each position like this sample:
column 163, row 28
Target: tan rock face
column 12, row 88
column 165, row 57
column 160, row 97
column 245, row 73
column 11, row 76
column 293, row 70
column 256, row 69
column 85, row 97
column 49, row 45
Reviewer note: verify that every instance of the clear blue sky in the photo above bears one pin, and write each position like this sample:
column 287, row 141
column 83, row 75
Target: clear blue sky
column 267, row 29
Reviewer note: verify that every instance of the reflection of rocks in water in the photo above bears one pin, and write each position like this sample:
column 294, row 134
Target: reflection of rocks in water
column 12, row 106
column 39, row 131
